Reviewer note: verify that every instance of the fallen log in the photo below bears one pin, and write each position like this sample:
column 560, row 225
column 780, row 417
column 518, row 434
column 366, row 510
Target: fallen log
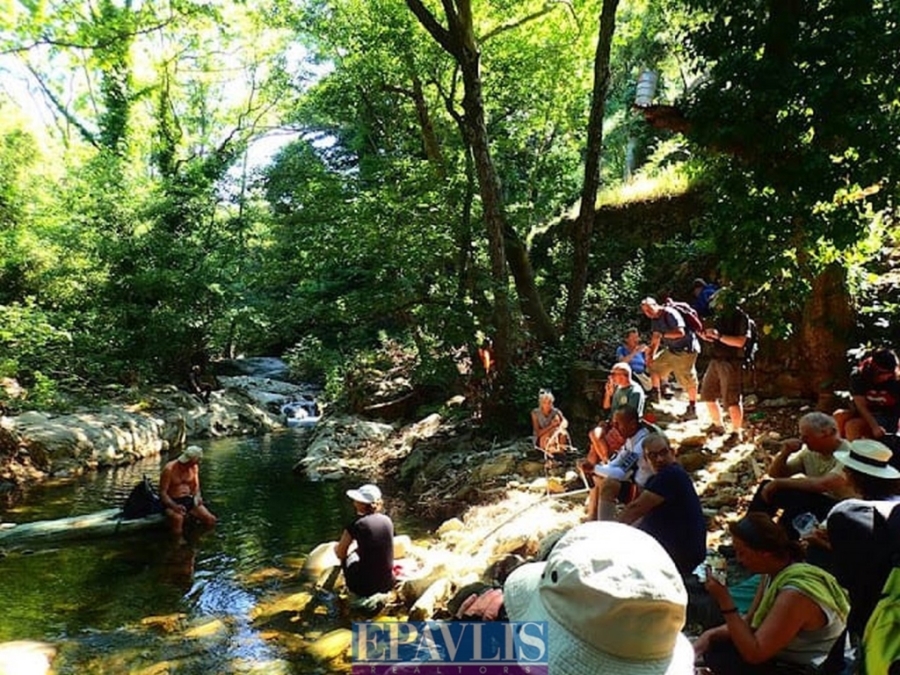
column 105, row 523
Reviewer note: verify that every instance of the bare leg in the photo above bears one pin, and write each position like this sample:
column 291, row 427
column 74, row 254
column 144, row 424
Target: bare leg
column 609, row 493
column 176, row 521
column 692, row 394
column 843, row 416
column 715, row 412
column 203, row 514
column 736, row 412
column 593, row 500
column 856, row 428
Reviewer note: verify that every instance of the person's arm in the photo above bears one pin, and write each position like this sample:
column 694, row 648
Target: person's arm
column 781, row 466
column 708, row 637
column 790, row 613
column 342, row 548
column 862, row 407
column 827, row 483
column 608, row 390
column 640, row 507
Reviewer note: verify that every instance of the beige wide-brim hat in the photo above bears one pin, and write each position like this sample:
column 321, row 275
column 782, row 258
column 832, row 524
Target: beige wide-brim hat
column 613, row 601
column 191, row 453
column 869, row 457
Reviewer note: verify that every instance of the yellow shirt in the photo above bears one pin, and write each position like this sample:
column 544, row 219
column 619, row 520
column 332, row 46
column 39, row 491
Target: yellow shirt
column 815, row 465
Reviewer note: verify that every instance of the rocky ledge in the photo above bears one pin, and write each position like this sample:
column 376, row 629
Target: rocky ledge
column 35, row 445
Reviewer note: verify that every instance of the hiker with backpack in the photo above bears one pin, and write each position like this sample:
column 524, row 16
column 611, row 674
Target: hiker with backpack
column 723, row 379
column 674, row 347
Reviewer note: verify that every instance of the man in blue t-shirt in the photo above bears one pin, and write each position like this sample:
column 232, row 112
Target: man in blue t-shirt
column 668, row 509
column 673, row 349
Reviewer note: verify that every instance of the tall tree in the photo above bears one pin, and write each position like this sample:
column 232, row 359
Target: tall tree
column 459, row 40
column 582, row 232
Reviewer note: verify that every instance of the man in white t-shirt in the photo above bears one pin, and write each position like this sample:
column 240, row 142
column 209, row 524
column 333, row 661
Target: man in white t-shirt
column 615, row 480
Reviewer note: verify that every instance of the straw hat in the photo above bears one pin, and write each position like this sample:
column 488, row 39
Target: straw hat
column 869, row 457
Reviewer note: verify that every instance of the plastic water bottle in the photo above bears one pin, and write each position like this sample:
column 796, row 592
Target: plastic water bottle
column 805, row 524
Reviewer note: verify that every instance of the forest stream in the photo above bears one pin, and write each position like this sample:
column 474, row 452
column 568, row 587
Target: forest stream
column 110, row 606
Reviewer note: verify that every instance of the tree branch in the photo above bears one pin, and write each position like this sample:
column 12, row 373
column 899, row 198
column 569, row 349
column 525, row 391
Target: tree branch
column 440, row 34
column 62, row 109
column 46, row 40
column 516, row 23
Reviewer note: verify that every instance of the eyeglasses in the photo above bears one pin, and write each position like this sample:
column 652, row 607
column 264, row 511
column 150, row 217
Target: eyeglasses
column 656, row 454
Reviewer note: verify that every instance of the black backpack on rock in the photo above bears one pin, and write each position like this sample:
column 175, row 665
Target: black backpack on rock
column 142, row 501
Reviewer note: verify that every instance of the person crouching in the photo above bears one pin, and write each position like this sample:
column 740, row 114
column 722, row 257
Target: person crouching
column 366, row 546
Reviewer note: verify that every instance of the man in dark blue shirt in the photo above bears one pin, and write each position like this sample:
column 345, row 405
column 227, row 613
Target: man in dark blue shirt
column 673, row 349
column 668, row 509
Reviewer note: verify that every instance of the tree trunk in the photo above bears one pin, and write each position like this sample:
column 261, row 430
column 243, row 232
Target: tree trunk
column 828, row 323
column 505, row 246
column 491, row 204
column 584, row 226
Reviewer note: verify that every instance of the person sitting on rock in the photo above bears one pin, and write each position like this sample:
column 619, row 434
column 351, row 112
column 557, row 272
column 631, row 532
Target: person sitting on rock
column 860, row 531
column 549, row 425
column 620, row 390
column 634, row 353
column 616, row 480
column 798, row 613
column 875, row 389
column 197, row 386
column 805, row 475
column 366, row 546
column 668, row 508
column 179, row 490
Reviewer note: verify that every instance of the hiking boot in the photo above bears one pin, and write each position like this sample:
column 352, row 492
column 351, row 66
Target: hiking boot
column 714, row 430
column 690, row 413
column 736, row 436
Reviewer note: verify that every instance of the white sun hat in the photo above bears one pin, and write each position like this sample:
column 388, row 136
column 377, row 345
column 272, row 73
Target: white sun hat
column 870, row 457
column 365, row 494
column 613, row 600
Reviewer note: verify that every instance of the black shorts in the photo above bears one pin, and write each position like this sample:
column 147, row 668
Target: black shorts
column 187, row 502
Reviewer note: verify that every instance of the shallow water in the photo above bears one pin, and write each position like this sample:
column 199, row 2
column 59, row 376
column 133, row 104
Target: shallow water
column 91, row 597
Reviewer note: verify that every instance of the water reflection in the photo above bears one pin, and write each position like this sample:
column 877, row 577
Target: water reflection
column 94, row 597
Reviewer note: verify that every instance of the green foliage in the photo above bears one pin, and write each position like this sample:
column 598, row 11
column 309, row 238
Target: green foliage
column 31, row 343
column 311, row 361
column 802, row 100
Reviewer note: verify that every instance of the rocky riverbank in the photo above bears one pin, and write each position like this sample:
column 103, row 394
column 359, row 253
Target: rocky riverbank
column 487, row 501
column 137, row 424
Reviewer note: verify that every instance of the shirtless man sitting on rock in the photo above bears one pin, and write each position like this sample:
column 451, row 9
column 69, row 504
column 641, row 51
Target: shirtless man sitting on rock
column 179, row 488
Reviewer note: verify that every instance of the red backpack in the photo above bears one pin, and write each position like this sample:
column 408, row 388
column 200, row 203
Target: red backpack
column 691, row 319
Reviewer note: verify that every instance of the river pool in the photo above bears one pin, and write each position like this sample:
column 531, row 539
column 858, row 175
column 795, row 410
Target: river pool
column 96, row 599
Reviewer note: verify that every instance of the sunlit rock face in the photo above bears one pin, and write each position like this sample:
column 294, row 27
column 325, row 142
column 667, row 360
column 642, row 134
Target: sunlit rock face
column 26, row 657
column 163, row 420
